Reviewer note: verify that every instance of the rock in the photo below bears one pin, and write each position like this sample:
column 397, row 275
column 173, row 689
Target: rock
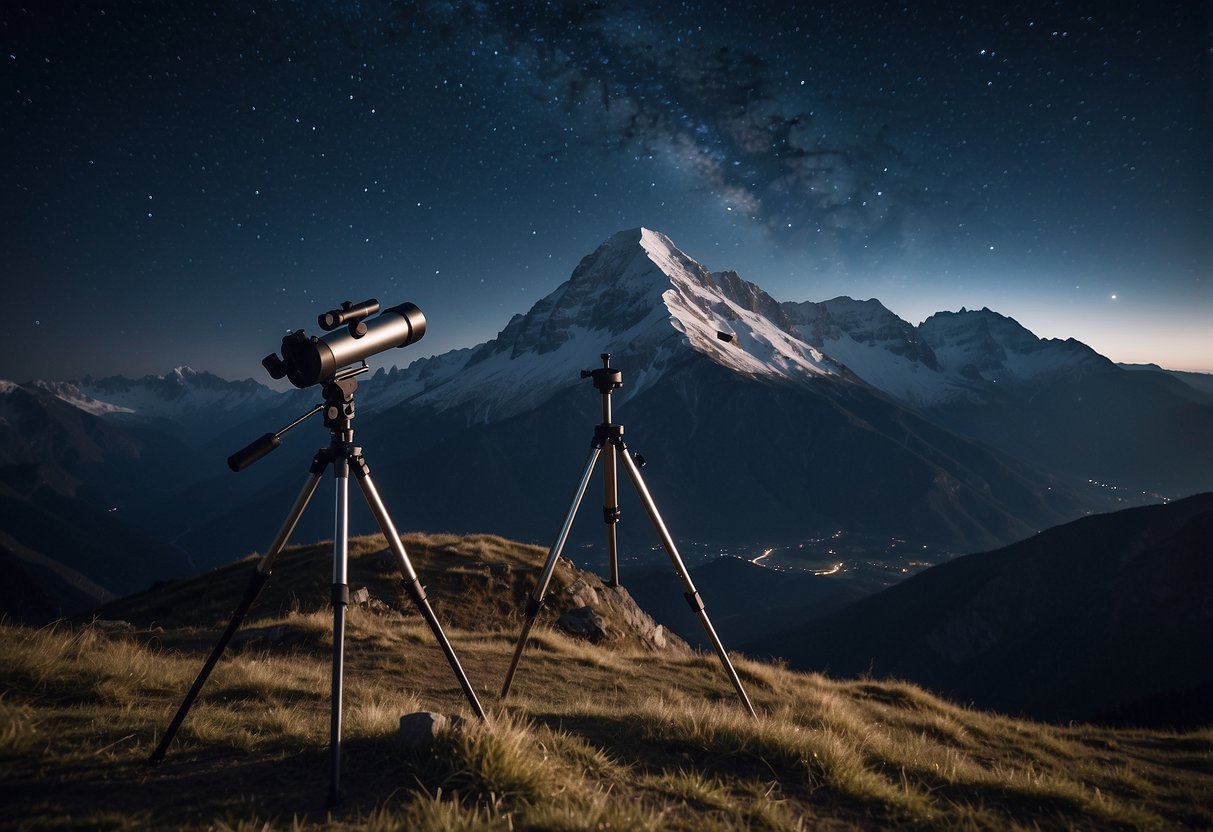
column 380, row 608
column 637, row 619
column 582, row 593
column 113, row 628
column 418, row 730
column 361, row 596
column 609, row 614
column 584, row 622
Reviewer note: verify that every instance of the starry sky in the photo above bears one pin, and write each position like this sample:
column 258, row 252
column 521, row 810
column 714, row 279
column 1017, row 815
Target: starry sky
column 185, row 183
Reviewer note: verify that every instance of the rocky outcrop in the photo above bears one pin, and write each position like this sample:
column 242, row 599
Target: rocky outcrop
column 606, row 614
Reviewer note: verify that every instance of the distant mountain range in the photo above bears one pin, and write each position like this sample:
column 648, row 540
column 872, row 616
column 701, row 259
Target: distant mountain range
column 764, row 422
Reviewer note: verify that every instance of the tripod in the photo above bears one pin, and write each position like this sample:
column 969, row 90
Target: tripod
column 341, row 453
column 607, row 380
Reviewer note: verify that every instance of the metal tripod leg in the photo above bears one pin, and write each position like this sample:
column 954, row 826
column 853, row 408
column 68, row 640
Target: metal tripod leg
column 691, row 594
column 260, row 575
column 411, row 582
column 341, row 601
column 610, row 514
column 541, row 588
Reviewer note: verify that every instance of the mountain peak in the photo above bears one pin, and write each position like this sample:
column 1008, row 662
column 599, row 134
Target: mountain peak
column 658, row 294
column 627, row 237
column 647, row 238
column 983, row 344
column 639, row 261
column 639, row 297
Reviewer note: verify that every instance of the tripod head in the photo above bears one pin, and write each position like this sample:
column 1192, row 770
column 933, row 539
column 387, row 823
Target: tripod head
column 339, row 404
column 338, row 407
column 606, row 378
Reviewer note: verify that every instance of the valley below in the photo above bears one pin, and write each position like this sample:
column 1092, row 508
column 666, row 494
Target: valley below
column 863, row 562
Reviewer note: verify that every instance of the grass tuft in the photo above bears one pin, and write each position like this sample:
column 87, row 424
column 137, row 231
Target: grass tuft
column 490, row 763
column 18, row 729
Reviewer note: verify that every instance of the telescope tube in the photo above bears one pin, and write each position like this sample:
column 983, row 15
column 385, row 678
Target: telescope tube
column 310, row 361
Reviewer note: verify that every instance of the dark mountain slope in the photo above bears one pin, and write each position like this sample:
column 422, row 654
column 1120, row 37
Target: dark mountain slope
column 744, row 601
column 1140, row 430
column 37, row 589
column 1074, row 623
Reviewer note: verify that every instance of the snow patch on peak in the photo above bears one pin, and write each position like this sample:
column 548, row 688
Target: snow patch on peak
column 732, row 321
column 183, row 395
column 740, row 337
column 984, row 345
column 73, row 395
column 879, row 347
column 672, row 261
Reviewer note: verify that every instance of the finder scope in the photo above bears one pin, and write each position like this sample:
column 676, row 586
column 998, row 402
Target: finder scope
column 308, row 360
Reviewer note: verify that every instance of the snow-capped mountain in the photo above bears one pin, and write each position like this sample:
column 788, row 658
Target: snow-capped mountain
column 636, row 296
column 71, row 394
column 37, row 428
column 950, row 357
column 184, row 395
column 639, row 295
column 1056, row 404
column 876, row 345
column 983, row 346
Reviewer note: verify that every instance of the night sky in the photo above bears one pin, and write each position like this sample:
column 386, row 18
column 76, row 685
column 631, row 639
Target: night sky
column 184, row 182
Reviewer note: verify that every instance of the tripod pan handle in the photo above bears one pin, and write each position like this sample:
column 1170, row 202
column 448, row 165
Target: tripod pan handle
column 252, row 452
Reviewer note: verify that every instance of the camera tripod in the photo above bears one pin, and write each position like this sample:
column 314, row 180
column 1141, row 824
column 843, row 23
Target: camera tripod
column 341, row 453
column 608, row 445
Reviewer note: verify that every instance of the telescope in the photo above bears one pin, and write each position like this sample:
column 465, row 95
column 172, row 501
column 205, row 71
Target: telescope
column 309, row 360
column 327, row 361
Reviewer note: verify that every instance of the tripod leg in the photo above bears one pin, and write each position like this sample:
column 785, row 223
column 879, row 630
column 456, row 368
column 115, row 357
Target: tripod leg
column 610, row 515
column 341, row 600
column 541, row 588
column 411, row 582
column 691, row 594
column 260, row 575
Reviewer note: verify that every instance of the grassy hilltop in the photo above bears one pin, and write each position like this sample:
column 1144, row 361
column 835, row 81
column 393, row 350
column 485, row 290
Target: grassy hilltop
column 617, row 735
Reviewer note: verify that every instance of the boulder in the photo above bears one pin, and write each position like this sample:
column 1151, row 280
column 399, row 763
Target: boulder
column 418, row 730
column 584, row 622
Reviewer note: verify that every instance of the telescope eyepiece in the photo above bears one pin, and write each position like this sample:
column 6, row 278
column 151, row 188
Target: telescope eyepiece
column 274, row 366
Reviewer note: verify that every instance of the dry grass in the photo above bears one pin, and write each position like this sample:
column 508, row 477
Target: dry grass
column 590, row 738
